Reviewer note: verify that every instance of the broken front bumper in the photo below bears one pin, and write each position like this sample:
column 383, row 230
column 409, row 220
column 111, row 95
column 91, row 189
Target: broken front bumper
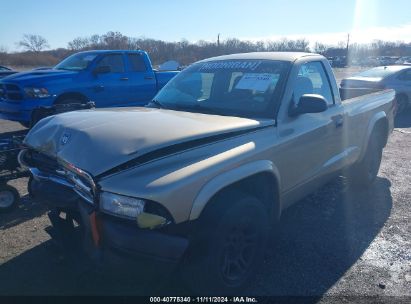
column 109, row 241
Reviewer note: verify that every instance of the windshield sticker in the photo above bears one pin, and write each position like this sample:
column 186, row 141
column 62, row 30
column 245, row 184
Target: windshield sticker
column 247, row 65
column 89, row 57
column 257, row 82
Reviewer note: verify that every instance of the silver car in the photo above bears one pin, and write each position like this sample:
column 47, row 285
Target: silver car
column 397, row 77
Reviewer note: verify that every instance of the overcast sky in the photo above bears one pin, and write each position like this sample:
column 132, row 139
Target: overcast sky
column 317, row 20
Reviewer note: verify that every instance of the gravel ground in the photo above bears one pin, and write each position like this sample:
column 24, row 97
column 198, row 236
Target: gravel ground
column 337, row 245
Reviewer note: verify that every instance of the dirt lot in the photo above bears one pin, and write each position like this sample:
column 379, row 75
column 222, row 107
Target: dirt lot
column 334, row 245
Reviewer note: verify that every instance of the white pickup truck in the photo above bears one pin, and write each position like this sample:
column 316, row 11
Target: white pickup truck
column 199, row 175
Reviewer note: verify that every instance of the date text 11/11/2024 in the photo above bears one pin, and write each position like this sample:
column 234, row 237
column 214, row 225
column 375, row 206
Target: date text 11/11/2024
column 203, row 300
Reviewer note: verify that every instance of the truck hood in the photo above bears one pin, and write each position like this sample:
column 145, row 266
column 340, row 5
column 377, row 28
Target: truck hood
column 99, row 140
column 37, row 76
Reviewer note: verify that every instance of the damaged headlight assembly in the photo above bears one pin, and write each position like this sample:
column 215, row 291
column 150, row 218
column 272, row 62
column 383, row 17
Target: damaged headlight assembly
column 130, row 208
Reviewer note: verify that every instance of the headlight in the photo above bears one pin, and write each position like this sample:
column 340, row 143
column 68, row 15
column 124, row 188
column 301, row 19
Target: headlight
column 37, row 92
column 120, row 205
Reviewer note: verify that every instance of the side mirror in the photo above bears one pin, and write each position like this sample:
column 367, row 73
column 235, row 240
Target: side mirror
column 102, row 70
column 309, row 103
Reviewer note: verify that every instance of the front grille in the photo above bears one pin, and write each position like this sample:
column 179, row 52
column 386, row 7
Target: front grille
column 47, row 168
column 41, row 161
column 2, row 92
column 12, row 87
column 10, row 92
column 14, row 96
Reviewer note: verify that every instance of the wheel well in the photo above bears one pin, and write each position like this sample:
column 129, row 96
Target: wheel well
column 76, row 96
column 381, row 128
column 402, row 95
column 264, row 186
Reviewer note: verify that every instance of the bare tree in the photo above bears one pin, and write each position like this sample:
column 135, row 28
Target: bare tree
column 187, row 52
column 78, row 43
column 115, row 40
column 320, row 48
column 3, row 49
column 34, row 43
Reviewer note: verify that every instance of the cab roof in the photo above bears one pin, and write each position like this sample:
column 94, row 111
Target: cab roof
column 112, row 51
column 282, row 56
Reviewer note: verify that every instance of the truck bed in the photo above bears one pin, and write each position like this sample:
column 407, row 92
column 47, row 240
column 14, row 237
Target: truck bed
column 348, row 93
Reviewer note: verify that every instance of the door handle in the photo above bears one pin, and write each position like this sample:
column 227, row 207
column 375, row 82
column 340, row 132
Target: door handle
column 124, row 78
column 148, row 77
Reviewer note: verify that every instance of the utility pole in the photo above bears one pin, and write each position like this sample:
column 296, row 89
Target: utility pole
column 218, row 40
column 348, row 43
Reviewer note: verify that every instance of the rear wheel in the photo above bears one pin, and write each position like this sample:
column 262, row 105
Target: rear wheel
column 402, row 103
column 365, row 172
column 9, row 198
column 229, row 246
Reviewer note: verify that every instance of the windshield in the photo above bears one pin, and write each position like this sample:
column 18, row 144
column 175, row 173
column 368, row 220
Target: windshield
column 76, row 62
column 245, row 88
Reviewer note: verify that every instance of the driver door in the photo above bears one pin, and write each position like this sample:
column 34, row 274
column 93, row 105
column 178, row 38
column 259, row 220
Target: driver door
column 110, row 88
column 312, row 141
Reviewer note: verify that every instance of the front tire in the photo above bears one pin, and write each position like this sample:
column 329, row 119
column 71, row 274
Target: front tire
column 229, row 246
column 67, row 101
column 25, row 124
column 36, row 117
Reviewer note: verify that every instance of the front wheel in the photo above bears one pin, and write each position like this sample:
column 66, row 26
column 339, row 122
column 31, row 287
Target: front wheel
column 9, row 198
column 229, row 247
column 25, row 124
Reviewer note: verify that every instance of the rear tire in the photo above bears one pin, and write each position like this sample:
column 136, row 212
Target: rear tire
column 228, row 248
column 9, row 198
column 364, row 173
column 402, row 104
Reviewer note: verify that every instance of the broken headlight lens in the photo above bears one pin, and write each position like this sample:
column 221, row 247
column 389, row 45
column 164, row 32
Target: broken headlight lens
column 120, row 205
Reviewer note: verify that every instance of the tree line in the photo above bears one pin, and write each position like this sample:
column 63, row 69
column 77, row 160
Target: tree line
column 35, row 47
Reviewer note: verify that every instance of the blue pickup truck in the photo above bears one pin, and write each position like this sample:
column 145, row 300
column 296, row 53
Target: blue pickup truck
column 108, row 78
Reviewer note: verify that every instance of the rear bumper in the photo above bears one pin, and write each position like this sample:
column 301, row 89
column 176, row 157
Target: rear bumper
column 122, row 244
column 21, row 110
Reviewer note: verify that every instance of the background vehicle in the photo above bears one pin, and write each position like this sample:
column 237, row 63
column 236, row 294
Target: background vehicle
column 397, row 77
column 108, row 78
column 10, row 169
column 6, row 71
column 404, row 60
column 242, row 137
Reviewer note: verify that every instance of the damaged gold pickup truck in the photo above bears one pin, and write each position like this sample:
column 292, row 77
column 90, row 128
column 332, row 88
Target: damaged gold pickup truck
column 198, row 177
